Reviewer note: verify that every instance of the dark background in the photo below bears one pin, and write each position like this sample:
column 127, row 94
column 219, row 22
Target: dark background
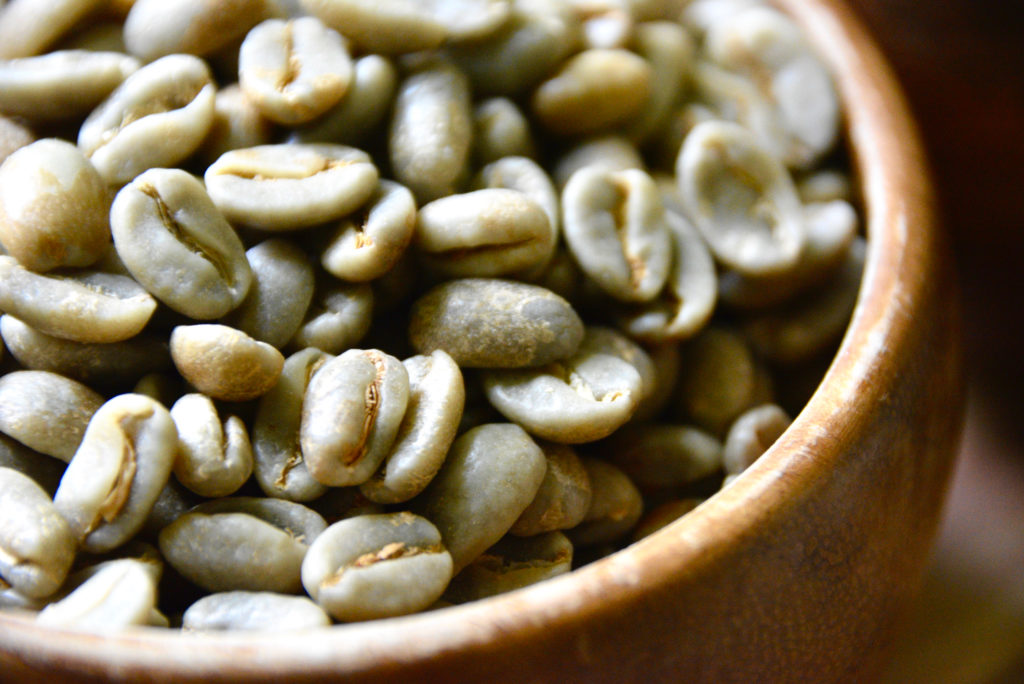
column 961, row 63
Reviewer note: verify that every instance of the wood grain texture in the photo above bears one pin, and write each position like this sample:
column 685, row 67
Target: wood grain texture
column 798, row 572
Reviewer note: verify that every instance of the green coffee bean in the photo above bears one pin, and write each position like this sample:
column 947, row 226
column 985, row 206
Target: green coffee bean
column 751, row 434
column 36, row 544
column 157, row 117
column 114, row 364
column 27, row 27
column 670, row 51
column 224, row 363
column 663, row 455
column 85, row 306
column 490, row 476
column 237, row 124
column 741, row 199
column 436, row 399
column 717, row 379
column 688, row 300
column 500, row 130
column 495, row 323
column 44, row 470
column 176, row 244
column 598, row 339
column 615, row 226
column 511, row 564
column 431, row 131
column 594, row 90
column 280, row 294
column 118, row 471
column 375, row 566
column 361, row 109
column 389, row 27
column 351, row 414
column 337, row 319
column 612, row 153
column 53, row 207
column 45, row 411
column 580, row 399
column 61, row 85
column 367, row 246
column 490, row 232
column 250, row 545
column 563, row 497
column 280, row 465
column 615, row 506
column 214, row 457
column 526, row 176
column 13, row 136
column 831, row 228
column 115, row 595
column 286, row 187
column 294, row 70
column 153, row 28
column 253, row 611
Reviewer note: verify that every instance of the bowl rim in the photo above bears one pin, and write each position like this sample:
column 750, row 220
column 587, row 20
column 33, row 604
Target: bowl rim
column 888, row 159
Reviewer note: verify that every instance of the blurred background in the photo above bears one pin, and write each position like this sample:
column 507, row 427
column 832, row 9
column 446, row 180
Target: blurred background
column 961, row 63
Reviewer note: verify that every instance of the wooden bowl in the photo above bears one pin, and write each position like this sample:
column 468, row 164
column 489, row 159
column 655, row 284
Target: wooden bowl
column 797, row 572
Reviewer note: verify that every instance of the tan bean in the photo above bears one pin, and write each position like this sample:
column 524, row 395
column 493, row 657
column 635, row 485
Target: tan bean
column 224, row 363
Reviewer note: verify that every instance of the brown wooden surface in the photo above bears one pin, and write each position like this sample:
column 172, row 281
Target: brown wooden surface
column 962, row 64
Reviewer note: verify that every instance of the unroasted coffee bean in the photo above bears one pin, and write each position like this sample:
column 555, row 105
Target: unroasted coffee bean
column 214, row 457
column 242, row 545
column 367, row 245
column 112, row 364
column 86, row 306
column 741, row 198
column 436, row 399
column 593, row 91
column 118, row 471
column 61, row 85
column 351, row 414
column 294, row 70
column 36, row 544
column 802, row 328
column 563, row 497
column 280, row 294
column 337, row 319
column 237, row 124
column 154, row 28
column 374, row 566
column 717, row 379
column 612, row 153
column 364, row 105
column 670, row 51
column 687, row 302
column 490, row 232
column 46, row 411
column 615, row 506
column 223, row 362
column 44, row 470
column 112, row 596
column 663, row 455
column 493, row 323
column 431, row 131
column 389, row 27
column 285, row 187
column 13, row 136
column 580, row 399
column 490, row 476
column 157, row 117
column 500, row 129
column 253, row 611
column 27, row 27
column 280, row 465
column 615, row 226
column 831, row 228
column 751, row 434
column 510, row 564
column 176, row 244
column 526, row 176
column 536, row 38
